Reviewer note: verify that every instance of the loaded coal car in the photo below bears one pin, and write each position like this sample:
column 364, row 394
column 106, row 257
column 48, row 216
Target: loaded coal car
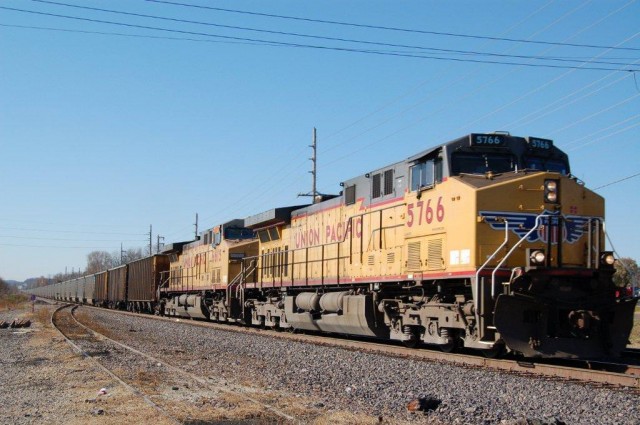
column 143, row 281
column 89, row 289
column 485, row 242
column 77, row 284
column 117, row 287
column 101, row 293
column 67, row 290
column 202, row 272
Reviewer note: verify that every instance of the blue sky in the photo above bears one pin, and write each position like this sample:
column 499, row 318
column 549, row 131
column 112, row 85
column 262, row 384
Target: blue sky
column 106, row 129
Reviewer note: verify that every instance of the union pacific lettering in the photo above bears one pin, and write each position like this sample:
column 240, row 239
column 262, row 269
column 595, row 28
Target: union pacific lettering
column 305, row 238
column 216, row 256
column 194, row 260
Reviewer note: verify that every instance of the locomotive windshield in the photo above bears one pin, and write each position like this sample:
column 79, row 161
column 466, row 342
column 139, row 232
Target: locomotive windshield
column 543, row 164
column 480, row 163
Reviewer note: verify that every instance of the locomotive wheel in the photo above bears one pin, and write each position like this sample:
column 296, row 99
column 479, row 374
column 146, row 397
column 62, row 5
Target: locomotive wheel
column 411, row 343
column 448, row 348
column 414, row 341
column 497, row 351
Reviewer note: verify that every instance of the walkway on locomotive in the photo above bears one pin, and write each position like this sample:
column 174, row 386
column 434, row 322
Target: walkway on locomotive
column 387, row 187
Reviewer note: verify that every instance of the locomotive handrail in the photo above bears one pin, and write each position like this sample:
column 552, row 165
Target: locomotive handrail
column 477, row 282
column 592, row 258
column 350, row 224
column 516, row 245
column 493, row 274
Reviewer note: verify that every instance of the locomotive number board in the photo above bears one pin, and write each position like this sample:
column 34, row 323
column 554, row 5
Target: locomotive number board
column 488, row 140
column 540, row 144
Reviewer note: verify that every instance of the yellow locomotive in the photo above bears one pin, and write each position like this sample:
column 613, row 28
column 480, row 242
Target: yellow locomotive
column 486, row 242
column 202, row 271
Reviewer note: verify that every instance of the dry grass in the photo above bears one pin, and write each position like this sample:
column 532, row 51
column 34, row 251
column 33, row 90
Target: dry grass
column 634, row 338
column 92, row 324
column 347, row 418
column 42, row 314
column 148, row 381
column 12, row 301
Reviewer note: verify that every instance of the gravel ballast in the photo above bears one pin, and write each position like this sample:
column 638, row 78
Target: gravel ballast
column 372, row 384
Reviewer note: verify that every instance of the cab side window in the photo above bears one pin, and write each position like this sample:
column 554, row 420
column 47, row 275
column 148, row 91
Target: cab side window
column 423, row 175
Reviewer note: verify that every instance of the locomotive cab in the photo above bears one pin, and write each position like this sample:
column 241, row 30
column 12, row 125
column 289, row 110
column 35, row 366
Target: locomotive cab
column 202, row 271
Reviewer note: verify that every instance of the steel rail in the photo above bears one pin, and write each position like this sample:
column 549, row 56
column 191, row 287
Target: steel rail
column 184, row 372
column 528, row 367
column 104, row 369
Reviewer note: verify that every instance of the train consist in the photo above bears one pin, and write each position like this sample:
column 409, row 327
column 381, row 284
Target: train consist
column 486, row 242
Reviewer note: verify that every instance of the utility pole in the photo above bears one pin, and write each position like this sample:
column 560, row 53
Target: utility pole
column 196, row 225
column 158, row 245
column 314, row 159
column 121, row 254
column 150, row 240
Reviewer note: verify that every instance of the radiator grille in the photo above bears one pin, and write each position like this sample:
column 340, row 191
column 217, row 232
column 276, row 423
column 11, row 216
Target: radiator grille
column 434, row 259
column 391, row 257
column 413, row 256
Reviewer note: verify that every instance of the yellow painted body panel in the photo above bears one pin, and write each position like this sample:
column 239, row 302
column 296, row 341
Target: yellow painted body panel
column 432, row 234
column 203, row 266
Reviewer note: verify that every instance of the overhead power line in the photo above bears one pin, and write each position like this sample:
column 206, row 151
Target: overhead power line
column 378, row 27
column 71, row 231
column 69, row 240
column 58, row 246
column 326, row 38
column 121, row 34
column 299, row 45
column 617, row 181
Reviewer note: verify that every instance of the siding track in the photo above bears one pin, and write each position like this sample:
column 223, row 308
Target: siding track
column 154, row 380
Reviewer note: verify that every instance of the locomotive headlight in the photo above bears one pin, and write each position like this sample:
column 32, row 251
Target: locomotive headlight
column 552, row 197
column 537, row 257
column 607, row 259
column 551, row 191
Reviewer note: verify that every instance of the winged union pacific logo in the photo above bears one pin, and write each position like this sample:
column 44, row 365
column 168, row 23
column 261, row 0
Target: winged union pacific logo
column 573, row 226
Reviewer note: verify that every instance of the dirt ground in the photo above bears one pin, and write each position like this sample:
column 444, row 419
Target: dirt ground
column 44, row 381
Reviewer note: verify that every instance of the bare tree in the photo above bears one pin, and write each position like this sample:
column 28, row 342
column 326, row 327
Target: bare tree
column 98, row 261
column 5, row 288
column 627, row 272
column 132, row 255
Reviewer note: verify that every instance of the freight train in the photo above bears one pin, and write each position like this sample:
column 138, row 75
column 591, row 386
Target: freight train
column 486, row 242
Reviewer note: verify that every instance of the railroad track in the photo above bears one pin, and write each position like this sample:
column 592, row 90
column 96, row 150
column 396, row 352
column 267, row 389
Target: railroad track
column 154, row 380
column 614, row 374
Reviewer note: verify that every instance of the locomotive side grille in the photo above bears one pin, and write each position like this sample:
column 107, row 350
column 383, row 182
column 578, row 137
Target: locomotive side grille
column 391, row 257
column 434, row 259
column 377, row 183
column 350, row 195
column 371, row 261
column 388, row 182
column 413, row 256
